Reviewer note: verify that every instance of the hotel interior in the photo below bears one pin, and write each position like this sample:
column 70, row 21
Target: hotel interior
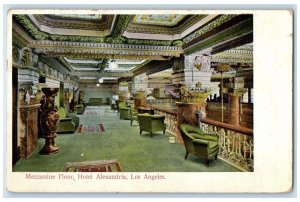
column 132, row 93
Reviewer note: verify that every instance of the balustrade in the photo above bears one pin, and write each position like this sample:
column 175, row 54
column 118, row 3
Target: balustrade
column 170, row 121
column 236, row 145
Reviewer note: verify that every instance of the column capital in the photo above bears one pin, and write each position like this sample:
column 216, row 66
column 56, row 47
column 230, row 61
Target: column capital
column 237, row 92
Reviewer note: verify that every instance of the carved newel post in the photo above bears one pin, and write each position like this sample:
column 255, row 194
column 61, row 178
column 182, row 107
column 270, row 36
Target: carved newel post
column 49, row 121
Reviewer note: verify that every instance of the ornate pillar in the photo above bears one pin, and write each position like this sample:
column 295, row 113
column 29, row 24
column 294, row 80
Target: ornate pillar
column 49, row 120
column 235, row 93
column 234, row 103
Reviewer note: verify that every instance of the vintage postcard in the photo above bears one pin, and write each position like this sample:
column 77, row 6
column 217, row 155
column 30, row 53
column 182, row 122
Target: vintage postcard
column 172, row 101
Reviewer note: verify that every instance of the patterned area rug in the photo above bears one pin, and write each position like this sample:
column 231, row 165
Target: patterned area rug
column 95, row 128
column 90, row 112
column 93, row 166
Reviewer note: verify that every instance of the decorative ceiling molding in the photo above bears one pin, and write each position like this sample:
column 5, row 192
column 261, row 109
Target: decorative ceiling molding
column 19, row 37
column 222, row 36
column 38, row 35
column 99, row 28
column 233, row 56
column 165, row 33
column 102, row 50
column 102, row 74
column 218, row 21
column 189, row 21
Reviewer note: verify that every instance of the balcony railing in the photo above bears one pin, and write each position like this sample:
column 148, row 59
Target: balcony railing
column 236, row 143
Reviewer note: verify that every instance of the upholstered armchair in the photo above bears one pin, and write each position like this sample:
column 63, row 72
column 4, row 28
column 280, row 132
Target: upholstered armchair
column 66, row 123
column 198, row 143
column 133, row 116
column 80, row 108
column 124, row 111
column 151, row 123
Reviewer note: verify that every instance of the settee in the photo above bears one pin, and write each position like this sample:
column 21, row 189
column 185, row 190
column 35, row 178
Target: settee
column 95, row 101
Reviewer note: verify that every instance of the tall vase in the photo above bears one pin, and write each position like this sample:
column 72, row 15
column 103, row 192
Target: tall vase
column 49, row 121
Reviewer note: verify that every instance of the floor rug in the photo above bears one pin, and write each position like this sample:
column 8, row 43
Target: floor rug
column 95, row 128
column 90, row 112
column 93, row 166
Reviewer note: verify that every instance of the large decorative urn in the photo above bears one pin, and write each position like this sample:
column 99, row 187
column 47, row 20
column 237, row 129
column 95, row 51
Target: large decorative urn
column 49, row 120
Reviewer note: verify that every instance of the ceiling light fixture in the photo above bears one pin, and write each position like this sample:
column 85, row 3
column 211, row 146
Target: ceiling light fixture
column 113, row 64
column 100, row 80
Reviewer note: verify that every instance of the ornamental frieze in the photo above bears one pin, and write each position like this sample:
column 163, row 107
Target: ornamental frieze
column 102, row 74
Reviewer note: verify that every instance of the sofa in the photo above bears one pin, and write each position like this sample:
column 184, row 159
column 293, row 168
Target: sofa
column 95, row 101
column 66, row 123
column 151, row 123
column 196, row 142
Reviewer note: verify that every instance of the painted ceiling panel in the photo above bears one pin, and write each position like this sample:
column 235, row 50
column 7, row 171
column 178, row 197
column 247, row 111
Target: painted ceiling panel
column 78, row 16
column 163, row 20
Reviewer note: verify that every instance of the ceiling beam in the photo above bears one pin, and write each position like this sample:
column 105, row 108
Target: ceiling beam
column 231, row 29
column 55, row 64
column 151, row 65
column 239, row 41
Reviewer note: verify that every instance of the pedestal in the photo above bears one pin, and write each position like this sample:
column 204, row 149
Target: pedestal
column 27, row 129
column 49, row 121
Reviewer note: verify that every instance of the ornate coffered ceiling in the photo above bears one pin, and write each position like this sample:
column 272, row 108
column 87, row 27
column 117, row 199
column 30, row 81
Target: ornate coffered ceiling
column 84, row 44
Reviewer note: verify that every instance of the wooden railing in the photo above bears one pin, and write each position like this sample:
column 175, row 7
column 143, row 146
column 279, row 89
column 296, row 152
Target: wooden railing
column 214, row 112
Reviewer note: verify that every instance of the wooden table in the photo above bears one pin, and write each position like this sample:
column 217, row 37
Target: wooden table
column 142, row 110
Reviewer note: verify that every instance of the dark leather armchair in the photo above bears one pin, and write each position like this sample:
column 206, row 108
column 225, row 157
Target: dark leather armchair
column 198, row 143
column 151, row 123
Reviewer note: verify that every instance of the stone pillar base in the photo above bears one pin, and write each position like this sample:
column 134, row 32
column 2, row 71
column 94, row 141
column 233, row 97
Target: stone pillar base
column 49, row 148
